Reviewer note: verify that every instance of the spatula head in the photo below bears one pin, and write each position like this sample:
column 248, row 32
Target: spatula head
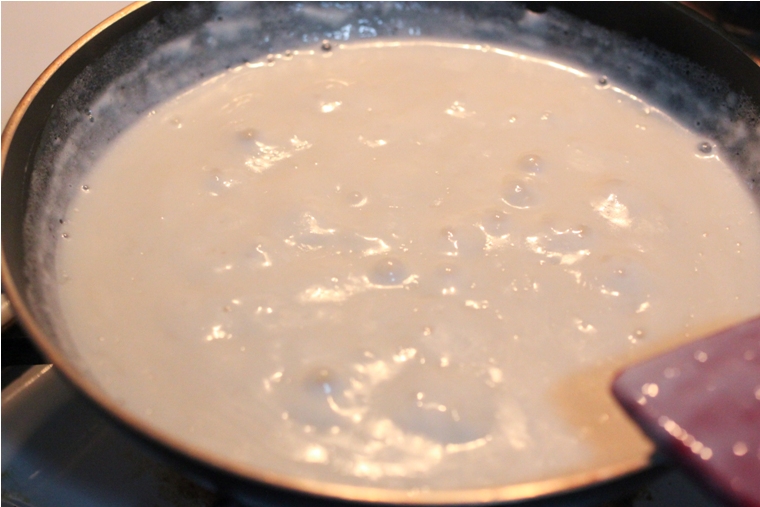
column 701, row 404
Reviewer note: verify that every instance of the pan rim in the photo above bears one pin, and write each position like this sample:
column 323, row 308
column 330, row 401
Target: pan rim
column 208, row 460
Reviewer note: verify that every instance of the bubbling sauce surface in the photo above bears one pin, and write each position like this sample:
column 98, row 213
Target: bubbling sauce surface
column 395, row 264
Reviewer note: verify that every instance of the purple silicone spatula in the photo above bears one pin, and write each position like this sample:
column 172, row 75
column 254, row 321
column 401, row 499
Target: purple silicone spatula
column 701, row 405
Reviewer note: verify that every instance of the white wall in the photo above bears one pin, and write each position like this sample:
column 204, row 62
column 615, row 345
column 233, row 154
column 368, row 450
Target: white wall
column 33, row 34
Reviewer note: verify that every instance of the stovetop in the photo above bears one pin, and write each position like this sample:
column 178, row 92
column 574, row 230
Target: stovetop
column 60, row 451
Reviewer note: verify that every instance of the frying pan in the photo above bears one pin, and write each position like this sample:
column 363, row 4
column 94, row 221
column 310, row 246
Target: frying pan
column 697, row 75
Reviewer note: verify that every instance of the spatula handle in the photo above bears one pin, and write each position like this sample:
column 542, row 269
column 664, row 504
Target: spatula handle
column 701, row 404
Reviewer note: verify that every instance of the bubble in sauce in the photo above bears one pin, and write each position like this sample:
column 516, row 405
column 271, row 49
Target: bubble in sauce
column 444, row 279
column 356, row 199
column 248, row 134
column 321, row 380
column 85, row 188
column 603, row 82
column 464, row 239
column 518, row 195
column 445, row 404
column 532, row 164
column 313, row 397
column 326, row 45
column 705, row 148
column 496, row 223
column 568, row 237
column 217, row 182
column 388, row 271
column 446, row 243
column 448, row 278
column 625, row 281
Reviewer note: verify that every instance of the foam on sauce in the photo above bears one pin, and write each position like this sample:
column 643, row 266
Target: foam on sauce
column 401, row 260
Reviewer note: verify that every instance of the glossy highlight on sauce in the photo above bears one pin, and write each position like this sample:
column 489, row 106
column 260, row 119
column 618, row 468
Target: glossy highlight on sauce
column 398, row 263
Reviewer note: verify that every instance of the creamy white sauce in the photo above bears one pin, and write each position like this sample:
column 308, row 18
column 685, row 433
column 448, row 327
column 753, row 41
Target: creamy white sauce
column 401, row 264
